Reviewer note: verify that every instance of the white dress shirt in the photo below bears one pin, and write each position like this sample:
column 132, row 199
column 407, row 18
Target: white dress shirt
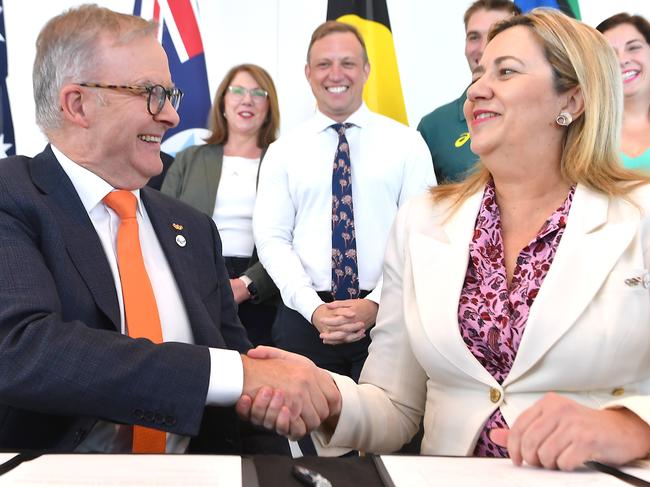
column 224, row 388
column 292, row 222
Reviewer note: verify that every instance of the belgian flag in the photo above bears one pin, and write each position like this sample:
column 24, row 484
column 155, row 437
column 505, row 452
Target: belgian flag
column 569, row 7
column 383, row 90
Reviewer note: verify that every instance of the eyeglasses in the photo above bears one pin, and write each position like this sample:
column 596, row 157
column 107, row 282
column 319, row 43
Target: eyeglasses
column 156, row 94
column 239, row 92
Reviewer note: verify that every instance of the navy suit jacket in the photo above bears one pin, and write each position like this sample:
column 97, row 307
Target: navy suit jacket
column 63, row 361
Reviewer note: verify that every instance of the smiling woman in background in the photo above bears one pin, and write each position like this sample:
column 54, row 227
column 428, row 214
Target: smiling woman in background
column 515, row 312
column 629, row 35
column 244, row 120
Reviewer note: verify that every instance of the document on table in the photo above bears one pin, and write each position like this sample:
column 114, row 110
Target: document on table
column 126, row 470
column 414, row 471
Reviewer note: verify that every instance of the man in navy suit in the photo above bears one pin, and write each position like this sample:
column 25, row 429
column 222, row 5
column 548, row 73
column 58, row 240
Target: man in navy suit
column 71, row 379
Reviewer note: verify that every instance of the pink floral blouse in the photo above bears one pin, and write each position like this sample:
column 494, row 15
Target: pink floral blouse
column 492, row 316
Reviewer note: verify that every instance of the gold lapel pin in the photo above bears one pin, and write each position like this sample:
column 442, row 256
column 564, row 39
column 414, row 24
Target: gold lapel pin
column 177, row 226
column 643, row 280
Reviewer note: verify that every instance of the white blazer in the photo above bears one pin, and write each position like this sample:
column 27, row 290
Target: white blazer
column 587, row 336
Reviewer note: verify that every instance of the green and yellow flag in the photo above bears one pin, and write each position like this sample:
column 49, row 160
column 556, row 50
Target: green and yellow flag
column 383, row 90
column 569, row 7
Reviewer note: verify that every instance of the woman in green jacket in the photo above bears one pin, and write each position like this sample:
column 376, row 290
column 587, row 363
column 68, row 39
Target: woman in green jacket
column 220, row 179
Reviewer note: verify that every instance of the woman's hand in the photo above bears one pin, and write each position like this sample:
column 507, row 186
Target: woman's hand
column 557, row 432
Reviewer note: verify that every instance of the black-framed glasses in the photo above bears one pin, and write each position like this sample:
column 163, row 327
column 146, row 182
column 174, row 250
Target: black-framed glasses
column 239, row 92
column 156, row 94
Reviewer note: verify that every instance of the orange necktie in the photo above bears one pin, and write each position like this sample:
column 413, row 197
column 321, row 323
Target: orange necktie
column 142, row 320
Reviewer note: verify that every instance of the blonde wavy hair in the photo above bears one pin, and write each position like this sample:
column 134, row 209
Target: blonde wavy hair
column 579, row 56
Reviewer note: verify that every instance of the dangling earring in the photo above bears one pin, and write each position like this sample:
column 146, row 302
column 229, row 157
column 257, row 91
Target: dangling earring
column 564, row 119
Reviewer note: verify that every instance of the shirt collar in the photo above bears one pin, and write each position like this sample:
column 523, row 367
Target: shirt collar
column 89, row 186
column 460, row 103
column 359, row 119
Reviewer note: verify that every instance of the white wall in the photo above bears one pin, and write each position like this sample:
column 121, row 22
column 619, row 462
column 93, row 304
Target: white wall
column 428, row 37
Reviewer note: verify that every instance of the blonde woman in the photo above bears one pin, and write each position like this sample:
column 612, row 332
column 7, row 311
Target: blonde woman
column 515, row 313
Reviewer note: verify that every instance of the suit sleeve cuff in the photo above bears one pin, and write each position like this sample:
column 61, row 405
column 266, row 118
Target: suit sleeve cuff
column 226, row 377
column 639, row 405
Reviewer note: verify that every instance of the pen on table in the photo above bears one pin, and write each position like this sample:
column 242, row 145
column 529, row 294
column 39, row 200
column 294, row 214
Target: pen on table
column 619, row 474
column 13, row 462
column 310, row 477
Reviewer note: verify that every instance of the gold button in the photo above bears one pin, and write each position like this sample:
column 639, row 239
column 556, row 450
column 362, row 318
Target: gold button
column 495, row 394
column 618, row 391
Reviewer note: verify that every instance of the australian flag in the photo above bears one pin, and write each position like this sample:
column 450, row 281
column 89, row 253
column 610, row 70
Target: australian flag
column 180, row 37
column 7, row 141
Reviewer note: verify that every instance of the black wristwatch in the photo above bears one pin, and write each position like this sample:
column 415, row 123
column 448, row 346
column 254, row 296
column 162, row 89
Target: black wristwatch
column 252, row 289
column 250, row 286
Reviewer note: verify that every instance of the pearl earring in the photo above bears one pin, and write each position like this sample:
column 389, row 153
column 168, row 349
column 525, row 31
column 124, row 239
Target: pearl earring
column 564, row 119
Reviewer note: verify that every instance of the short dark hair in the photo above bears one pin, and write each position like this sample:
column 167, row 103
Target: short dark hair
column 504, row 5
column 335, row 27
column 641, row 24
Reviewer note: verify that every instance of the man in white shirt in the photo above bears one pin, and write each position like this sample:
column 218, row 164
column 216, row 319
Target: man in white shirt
column 75, row 373
column 293, row 218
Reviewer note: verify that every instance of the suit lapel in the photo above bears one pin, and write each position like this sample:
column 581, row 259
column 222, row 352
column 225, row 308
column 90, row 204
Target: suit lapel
column 587, row 253
column 168, row 227
column 439, row 264
column 81, row 240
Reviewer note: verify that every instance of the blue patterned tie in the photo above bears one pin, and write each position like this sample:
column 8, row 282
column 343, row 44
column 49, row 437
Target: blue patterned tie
column 345, row 279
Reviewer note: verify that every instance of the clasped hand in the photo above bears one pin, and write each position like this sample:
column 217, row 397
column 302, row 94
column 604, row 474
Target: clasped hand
column 344, row 321
column 286, row 392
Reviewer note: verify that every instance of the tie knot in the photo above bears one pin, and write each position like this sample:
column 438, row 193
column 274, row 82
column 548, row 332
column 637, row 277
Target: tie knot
column 122, row 202
column 340, row 127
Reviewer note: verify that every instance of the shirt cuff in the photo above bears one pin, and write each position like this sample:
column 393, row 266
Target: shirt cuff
column 226, row 377
column 306, row 302
column 246, row 280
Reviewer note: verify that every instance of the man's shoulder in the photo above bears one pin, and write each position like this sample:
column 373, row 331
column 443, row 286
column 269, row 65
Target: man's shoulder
column 299, row 131
column 386, row 124
column 297, row 136
column 165, row 204
column 442, row 114
column 14, row 165
column 15, row 172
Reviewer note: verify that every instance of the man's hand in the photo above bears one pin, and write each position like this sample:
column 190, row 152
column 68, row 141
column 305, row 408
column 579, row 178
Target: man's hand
column 291, row 394
column 557, row 432
column 344, row 321
column 239, row 290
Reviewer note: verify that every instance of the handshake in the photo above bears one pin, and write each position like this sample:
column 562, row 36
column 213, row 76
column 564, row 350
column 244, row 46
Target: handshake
column 286, row 392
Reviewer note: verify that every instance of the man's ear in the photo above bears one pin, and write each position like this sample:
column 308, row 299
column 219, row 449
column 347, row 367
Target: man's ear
column 72, row 99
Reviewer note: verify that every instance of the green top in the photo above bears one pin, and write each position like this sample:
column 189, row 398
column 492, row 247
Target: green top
column 640, row 162
column 445, row 132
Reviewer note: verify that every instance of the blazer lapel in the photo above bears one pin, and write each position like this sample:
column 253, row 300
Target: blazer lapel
column 81, row 240
column 212, row 162
column 439, row 264
column 587, row 253
column 165, row 223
